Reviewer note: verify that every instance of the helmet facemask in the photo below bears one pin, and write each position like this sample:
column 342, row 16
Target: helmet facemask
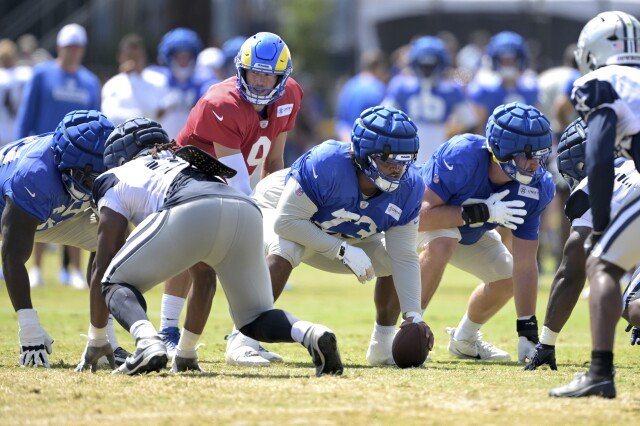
column 387, row 171
column 513, row 166
column 79, row 182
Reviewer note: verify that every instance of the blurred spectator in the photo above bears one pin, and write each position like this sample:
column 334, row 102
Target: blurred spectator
column 28, row 51
column 177, row 53
column 469, row 58
column 364, row 90
column 230, row 49
column 508, row 81
column 436, row 104
column 12, row 81
column 209, row 68
column 57, row 87
column 131, row 93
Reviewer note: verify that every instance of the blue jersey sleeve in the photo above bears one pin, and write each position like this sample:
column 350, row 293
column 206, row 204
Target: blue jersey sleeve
column 317, row 177
column 26, row 192
column 447, row 171
column 414, row 198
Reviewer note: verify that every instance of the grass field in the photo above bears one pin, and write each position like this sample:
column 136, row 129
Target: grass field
column 446, row 391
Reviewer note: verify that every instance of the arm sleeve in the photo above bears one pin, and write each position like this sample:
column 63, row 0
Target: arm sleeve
column 600, row 164
column 241, row 180
column 401, row 246
column 294, row 222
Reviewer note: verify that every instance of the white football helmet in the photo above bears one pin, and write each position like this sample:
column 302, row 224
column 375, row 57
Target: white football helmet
column 609, row 38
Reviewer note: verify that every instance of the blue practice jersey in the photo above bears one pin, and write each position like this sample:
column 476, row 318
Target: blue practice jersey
column 359, row 93
column 50, row 94
column 31, row 180
column 487, row 90
column 459, row 170
column 328, row 176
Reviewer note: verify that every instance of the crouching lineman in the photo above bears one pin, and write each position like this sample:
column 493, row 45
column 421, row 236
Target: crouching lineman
column 211, row 226
column 474, row 184
column 330, row 208
column 606, row 97
column 571, row 275
column 46, row 188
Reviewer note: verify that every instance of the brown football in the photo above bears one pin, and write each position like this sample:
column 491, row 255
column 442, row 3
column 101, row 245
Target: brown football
column 410, row 345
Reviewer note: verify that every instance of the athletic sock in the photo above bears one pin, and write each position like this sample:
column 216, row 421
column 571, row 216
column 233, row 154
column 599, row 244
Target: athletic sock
column 467, row 329
column 142, row 329
column 601, row 364
column 187, row 344
column 383, row 330
column 170, row 310
column 299, row 330
column 111, row 333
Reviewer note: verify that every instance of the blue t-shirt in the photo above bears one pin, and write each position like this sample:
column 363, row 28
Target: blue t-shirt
column 427, row 106
column 359, row 93
column 489, row 92
column 50, row 94
column 32, row 181
column 328, row 176
column 459, row 170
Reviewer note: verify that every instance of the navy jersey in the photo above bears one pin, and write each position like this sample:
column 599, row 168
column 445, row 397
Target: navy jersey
column 459, row 171
column 487, row 90
column 31, row 180
column 328, row 176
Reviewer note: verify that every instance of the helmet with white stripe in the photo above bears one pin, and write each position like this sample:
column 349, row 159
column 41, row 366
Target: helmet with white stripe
column 609, row 38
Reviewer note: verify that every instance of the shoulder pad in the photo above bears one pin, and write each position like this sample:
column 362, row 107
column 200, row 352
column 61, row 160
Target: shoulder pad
column 104, row 182
column 591, row 94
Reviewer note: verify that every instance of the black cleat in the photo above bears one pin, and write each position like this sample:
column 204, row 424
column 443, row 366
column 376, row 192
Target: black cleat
column 323, row 347
column 150, row 355
column 120, row 354
column 585, row 385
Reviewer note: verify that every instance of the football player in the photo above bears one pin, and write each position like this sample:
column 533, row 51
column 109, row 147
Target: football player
column 243, row 121
column 46, row 187
column 331, row 208
column 507, row 82
column 437, row 105
column 607, row 97
column 217, row 229
column 571, row 275
column 474, row 184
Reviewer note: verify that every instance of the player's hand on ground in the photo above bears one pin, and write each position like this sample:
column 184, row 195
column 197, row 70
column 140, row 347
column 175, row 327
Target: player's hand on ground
column 428, row 333
column 543, row 355
column 357, row 260
column 506, row 213
column 35, row 346
column 526, row 349
column 634, row 337
column 92, row 354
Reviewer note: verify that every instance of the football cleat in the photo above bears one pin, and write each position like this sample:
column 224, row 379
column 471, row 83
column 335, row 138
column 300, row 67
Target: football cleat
column 475, row 349
column 170, row 337
column 119, row 355
column 150, row 355
column 244, row 351
column 35, row 278
column 76, row 280
column 379, row 352
column 269, row 355
column 323, row 347
column 584, row 385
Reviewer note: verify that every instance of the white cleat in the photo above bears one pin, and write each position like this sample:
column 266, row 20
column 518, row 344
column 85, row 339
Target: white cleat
column 379, row 352
column 76, row 280
column 244, row 351
column 35, row 278
column 269, row 355
column 475, row 349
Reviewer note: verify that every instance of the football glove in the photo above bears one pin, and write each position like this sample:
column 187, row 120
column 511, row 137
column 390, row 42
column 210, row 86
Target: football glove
column 543, row 355
column 505, row 213
column 634, row 338
column 357, row 260
column 92, row 354
column 528, row 338
column 35, row 345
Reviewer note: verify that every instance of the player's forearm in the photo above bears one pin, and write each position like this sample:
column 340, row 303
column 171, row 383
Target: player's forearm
column 440, row 217
column 17, row 281
column 525, row 287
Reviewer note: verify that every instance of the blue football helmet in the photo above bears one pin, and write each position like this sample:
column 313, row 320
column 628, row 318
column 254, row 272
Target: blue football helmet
column 131, row 138
column 384, row 135
column 428, row 57
column 78, row 146
column 515, row 133
column 508, row 44
column 572, row 153
column 176, row 40
column 263, row 53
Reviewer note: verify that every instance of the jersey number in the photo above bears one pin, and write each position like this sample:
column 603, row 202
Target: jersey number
column 259, row 151
column 342, row 216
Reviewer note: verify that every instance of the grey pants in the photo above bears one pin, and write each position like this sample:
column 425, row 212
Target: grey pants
column 223, row 232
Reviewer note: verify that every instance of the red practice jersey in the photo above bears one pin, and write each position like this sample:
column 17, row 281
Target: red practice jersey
column 224, row 116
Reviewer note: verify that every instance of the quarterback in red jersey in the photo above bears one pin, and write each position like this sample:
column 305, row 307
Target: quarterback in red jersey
column 243, row 121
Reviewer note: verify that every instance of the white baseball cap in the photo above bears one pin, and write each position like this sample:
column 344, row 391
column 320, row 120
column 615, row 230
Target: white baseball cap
column 72, row 34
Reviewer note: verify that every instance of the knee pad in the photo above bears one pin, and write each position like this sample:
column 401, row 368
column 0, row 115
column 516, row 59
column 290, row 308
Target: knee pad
column 273, row 325
column 502, row 268
column 120, row 293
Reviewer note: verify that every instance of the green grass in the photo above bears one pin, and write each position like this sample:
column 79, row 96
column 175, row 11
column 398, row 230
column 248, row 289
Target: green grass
column 446, row 391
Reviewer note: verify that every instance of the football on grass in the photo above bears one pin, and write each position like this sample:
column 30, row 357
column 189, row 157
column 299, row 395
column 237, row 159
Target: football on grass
column 410, row 345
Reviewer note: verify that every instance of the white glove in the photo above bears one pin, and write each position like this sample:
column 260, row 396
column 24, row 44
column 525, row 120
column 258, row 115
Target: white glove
column 526, row 350
column 35, row 344
column 357, row 260
column 505, row 213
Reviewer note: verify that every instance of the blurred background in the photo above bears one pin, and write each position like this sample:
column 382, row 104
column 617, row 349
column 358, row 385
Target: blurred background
column 447, row 63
